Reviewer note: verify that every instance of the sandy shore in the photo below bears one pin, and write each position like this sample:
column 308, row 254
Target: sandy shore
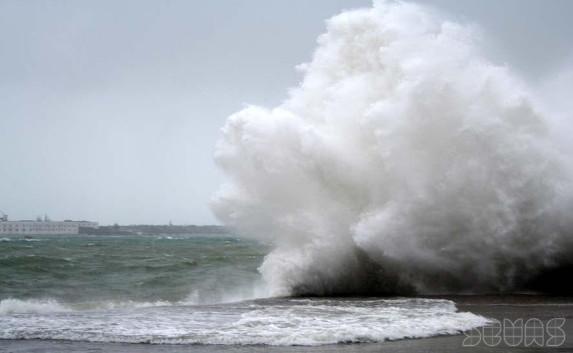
column 496, row 307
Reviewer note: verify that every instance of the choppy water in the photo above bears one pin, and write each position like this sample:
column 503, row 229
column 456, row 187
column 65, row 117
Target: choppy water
column 91, row 271
column 186, row 290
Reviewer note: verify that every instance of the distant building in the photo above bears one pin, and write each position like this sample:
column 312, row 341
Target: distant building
column 44, row 226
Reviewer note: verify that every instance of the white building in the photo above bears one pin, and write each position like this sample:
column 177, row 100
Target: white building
column 44, row 226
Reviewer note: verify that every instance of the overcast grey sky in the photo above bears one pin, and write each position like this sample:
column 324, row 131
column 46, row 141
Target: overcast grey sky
column 110, row 110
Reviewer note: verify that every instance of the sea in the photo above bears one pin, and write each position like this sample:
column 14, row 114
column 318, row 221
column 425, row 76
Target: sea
column 194, row 289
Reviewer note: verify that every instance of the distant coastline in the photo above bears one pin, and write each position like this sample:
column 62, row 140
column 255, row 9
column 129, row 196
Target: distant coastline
column 147, row 229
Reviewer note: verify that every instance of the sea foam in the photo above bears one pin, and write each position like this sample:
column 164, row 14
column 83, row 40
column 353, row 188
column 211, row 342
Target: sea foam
column 277, row 322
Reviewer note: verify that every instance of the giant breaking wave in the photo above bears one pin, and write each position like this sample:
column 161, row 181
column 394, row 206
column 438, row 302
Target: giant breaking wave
column 404, row 162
